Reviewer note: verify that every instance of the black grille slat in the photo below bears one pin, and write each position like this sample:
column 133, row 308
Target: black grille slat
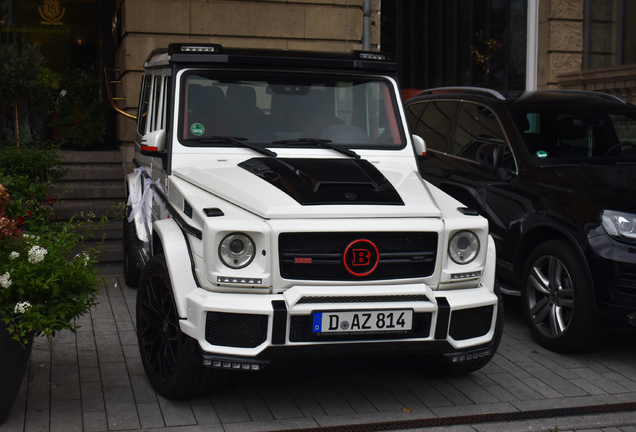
column 626, row 283
column 235, row 330
column 402, row 255
column 470, row 323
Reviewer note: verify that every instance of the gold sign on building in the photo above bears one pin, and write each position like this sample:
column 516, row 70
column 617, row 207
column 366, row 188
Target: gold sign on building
column 51, row 12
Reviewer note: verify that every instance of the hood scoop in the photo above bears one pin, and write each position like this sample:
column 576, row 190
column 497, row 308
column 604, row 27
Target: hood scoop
column 326, row 181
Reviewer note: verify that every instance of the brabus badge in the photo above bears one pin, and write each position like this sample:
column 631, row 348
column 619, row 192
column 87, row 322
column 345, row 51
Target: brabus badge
column 51, row 12
column 361, row 257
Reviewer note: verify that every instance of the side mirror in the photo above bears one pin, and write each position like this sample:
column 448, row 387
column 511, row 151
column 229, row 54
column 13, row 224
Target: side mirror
column 154, row 143
column 420, row 146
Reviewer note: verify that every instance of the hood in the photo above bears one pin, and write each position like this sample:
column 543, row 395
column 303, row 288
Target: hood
column 606, row 186
column 310, row 188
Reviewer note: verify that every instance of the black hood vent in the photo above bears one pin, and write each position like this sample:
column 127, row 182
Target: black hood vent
column 326, row 181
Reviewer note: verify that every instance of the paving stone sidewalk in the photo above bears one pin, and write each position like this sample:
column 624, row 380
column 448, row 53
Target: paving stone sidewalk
column 94, row 381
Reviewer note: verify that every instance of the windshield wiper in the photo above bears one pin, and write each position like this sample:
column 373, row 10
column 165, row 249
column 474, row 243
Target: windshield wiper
column 320, row 142
column 236, row 140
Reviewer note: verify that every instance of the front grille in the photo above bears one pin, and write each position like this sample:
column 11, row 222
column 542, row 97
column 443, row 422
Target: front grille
column 402, row 255
column 235, row 330
column 363, row 299
column 626, row 283
column 301, row 326
column 470, row 323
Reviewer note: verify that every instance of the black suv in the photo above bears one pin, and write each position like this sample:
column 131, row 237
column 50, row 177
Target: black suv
column 555, row 174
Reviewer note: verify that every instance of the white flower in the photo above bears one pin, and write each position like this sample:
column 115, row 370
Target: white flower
column 63, row 93
column 14, row 255
column 36, row 254
column 21, row 307
column 5, row 280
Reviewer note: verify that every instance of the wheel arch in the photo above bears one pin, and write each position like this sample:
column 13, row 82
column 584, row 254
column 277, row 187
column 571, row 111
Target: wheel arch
column 169, row 239
column 540, row 233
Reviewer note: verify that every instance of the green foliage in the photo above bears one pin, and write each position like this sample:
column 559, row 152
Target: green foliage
column 27, row 172
column 38, row 162
column 44, row 282
column 20, row 76
column 79, row 113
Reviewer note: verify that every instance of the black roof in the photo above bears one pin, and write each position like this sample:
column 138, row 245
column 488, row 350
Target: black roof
column 214, row 54
column 514, row 98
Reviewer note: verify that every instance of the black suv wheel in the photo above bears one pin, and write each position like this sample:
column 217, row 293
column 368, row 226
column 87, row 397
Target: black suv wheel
column 558, row 299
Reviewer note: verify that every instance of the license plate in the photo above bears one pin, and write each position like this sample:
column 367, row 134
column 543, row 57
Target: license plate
column 362, row 321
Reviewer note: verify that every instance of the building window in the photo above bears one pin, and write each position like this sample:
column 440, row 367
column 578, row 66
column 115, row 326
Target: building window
column 457, row 42
column 610, row 36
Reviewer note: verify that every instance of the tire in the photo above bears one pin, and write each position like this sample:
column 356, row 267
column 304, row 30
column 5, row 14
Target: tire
column 168, row 355
column 558, row 300
column 443, row 368
column 132, row 270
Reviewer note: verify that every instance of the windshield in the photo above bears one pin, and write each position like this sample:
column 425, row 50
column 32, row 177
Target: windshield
column 577, row 133
column 283, row 110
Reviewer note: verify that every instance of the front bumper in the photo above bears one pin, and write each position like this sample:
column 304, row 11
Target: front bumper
column 242, row 331
column 614, row 273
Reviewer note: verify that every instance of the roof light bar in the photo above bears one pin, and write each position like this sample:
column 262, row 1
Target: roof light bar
column 198, row 49
column 372, row 56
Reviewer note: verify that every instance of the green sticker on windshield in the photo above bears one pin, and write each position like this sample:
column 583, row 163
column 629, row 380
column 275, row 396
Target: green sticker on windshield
column 197, row 129
column 542, row 154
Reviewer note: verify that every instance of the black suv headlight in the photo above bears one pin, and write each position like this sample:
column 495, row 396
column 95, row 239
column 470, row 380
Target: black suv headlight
column 463, row 247
column 236, row 250
column 619, row 225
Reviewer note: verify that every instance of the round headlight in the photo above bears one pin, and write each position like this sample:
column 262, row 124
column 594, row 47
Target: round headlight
column 236, row 250
column 463, row 247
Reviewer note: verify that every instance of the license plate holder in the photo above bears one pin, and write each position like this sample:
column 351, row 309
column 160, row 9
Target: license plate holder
column 364, row 321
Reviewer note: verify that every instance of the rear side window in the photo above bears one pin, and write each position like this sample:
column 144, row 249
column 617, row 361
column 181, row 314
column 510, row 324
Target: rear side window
column 433, row 122
column 144, row 105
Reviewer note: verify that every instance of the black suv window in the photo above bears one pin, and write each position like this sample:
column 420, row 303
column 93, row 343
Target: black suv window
column 477, row 125
column 554, row 132
column 433, row 121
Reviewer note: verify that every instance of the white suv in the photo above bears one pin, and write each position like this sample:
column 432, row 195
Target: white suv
column 277, row 209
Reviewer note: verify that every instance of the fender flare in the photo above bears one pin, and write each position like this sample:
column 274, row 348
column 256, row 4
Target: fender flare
column 179, row 261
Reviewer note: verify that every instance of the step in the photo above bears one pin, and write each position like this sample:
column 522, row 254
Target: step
column 109, row 250
column 94, row 172
column 103, row 207
column 69, row 190
column 90, row 157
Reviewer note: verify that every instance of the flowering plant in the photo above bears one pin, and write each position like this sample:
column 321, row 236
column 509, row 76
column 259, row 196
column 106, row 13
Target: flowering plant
column 45, row 282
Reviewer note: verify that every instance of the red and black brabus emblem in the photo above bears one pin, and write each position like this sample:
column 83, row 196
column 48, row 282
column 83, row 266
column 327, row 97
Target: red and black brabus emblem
column 361, row 257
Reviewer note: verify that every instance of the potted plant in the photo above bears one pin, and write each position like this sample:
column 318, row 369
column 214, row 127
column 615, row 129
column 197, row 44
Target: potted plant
column 46, row 281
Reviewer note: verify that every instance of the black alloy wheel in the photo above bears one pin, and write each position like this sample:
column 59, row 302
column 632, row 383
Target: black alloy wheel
column 168, row 356
column 558, row 299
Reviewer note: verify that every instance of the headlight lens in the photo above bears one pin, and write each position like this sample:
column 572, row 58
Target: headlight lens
column 463, row 247
column 620, row 225
column 236, row 250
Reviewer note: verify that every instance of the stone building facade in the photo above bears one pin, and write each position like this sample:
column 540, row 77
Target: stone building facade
column 140, row 26
column 561, row 53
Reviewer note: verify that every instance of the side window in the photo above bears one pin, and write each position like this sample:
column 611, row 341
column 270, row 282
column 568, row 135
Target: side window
column 477, row 126
column 144, row 100
column 433, row 122
column 156, row 103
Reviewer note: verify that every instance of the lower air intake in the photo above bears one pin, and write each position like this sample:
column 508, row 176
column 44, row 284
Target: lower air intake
column 235, row 330
column 471, row 323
